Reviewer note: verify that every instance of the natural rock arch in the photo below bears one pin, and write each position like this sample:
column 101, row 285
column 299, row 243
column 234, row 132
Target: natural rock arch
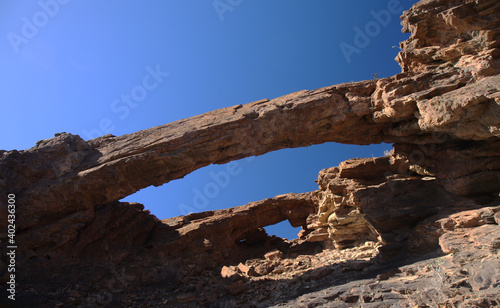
column 442, row 113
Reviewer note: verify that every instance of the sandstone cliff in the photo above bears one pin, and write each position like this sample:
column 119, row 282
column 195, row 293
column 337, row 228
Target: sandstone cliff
column 369, row 233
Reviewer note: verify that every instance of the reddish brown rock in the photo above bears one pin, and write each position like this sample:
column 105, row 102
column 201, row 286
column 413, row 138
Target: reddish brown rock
column 236, row 287
column 228, row 272
column 186, row 298
column 249, row 271
column 273, row 255
column 437, row 191
column 263, row 269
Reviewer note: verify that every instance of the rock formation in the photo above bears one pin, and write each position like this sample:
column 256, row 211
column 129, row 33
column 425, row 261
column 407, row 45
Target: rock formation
column 368, row 232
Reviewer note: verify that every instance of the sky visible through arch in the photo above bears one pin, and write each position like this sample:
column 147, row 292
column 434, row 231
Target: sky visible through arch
column 96, row 67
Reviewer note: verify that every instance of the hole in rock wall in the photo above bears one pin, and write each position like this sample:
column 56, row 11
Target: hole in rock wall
column 284, row 230
column 250, row 179
column 253, row 237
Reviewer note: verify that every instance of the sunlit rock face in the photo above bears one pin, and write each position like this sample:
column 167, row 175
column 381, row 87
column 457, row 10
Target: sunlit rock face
column 435, row 192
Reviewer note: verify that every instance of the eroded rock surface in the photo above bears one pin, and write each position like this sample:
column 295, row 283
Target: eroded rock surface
column 369, row 233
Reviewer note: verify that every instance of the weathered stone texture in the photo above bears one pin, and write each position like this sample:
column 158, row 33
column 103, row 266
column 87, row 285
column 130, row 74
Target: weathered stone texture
column 436, row 191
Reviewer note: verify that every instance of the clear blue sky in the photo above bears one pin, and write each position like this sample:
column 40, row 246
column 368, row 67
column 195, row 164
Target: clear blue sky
column 93, row 67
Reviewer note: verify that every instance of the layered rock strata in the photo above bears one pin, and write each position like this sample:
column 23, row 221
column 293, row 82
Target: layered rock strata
column 442, row 113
